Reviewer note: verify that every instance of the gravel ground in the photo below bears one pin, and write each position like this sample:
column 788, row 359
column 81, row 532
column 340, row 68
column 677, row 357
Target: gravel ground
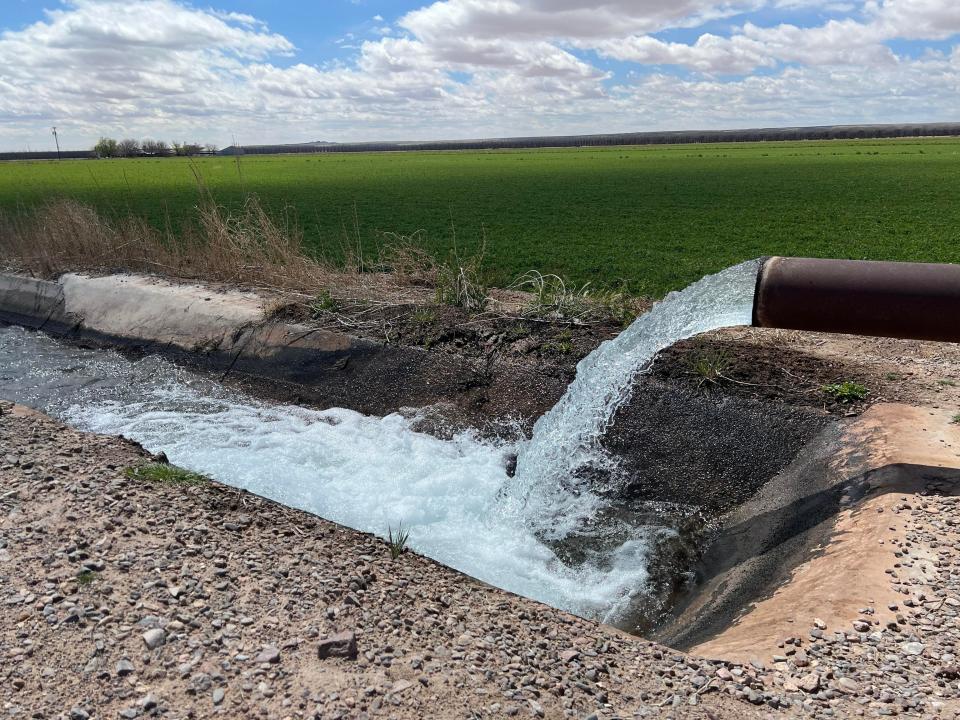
column 125, row 598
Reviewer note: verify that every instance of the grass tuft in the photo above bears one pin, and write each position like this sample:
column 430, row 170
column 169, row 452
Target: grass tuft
column 710, row 366
column 163, row 474
column 398, row 541
column 460, row 282
column 86, row 577
column 324, row 302
column 846, row 392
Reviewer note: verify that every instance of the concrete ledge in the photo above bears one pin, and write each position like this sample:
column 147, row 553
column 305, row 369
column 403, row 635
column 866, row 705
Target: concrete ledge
column 227, row 332
column 32, row 303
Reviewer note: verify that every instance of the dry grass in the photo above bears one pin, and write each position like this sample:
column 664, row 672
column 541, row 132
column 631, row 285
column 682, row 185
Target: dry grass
column 247, row 247
column 251, row 248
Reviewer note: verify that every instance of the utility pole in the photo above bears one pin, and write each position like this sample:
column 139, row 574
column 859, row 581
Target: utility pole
column 57, row 138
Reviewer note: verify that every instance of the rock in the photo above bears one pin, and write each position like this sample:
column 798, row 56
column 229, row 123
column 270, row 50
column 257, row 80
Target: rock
column 851, row 687
column 342, row 644
column 809, row 683
column 269, row 654
column 154, row 638
column 913, row 648
column 861, row 626
column 569, row 656
column 400, row 685
column 124, row 667
column 78, row 713
column 536, row 708
column 218, row 696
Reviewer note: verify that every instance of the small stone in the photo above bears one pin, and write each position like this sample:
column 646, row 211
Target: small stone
column 218, row 696
column 154, row 638
column 861, row 626
column 914, row 648
column 536, row 708
column 124, row 667
column 400, row 685
column 810, row 682
column 78, row 713
column 269, row 654
column 342, row 644
column 848, row 686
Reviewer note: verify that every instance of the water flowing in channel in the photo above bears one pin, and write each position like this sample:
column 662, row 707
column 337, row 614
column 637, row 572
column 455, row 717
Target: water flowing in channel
column 370, row 473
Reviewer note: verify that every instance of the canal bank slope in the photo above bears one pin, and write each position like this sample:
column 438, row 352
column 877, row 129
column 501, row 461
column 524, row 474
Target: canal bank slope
column 124, row 597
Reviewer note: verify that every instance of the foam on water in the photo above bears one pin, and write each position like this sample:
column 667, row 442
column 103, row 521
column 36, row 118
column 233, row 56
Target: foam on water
column 372, row 473
column 565, row 447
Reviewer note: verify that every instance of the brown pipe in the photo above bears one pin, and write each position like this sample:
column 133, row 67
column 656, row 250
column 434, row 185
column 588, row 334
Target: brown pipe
column 920, row 301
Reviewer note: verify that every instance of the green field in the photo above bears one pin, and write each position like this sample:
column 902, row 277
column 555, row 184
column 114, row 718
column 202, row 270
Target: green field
column 656, row 217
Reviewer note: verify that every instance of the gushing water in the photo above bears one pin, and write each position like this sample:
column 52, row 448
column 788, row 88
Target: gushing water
column 371, row 473
column 566, row 445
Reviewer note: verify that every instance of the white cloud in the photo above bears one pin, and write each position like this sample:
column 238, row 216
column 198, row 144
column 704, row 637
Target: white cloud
column 472, row 67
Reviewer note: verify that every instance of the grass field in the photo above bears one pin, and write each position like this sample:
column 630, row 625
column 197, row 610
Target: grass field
column 655, row 217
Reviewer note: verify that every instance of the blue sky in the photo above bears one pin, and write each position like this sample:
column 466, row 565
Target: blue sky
column 383, row 69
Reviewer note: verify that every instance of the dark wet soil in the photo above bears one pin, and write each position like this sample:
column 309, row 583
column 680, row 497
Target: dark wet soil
column 554, row 346
column 729, row 368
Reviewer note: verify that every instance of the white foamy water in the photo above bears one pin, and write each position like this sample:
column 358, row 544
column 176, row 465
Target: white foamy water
column 373, row 473
column 566, row 440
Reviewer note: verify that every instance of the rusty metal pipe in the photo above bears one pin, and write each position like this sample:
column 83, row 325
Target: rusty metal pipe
column 919, row 301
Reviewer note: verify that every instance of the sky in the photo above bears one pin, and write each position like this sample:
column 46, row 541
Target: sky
column 274, row 71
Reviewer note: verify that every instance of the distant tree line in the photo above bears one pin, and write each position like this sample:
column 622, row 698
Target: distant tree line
column 111, row 148
column 827, row 132
column 108, row 147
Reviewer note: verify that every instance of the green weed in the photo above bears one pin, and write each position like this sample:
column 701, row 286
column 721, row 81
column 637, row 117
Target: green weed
column 709, row 365
column 398, row 541
column 846, row 392
column 424, row 316
column 323, row 303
